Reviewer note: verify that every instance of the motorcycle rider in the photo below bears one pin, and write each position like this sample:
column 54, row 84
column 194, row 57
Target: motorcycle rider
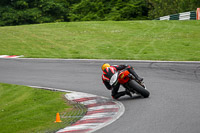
column 109, row 71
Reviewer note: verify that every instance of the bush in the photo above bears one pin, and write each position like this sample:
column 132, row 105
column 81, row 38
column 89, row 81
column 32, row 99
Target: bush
column 112, row 10
column 30, row 12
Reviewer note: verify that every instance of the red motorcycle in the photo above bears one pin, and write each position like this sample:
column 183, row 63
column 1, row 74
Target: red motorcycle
column 125, row 78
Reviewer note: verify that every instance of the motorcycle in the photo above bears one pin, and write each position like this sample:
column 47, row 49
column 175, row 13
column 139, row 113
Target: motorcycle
column 125, row 78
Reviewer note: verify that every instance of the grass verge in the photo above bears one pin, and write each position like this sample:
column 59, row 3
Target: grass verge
column 135, row 40
column 24, row 109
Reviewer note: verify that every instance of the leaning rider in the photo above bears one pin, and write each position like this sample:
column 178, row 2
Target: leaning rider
column 109, row 71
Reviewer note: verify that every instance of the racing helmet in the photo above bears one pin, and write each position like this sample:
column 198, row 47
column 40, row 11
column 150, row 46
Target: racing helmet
column 104, row 66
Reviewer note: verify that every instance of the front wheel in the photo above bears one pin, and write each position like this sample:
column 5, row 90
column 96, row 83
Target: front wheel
column 138, row 88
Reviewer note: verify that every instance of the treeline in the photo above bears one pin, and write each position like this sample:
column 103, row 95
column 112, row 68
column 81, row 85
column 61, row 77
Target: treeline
column 17, row 12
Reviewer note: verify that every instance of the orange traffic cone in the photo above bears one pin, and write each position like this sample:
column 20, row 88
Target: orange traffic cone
column 57, row 118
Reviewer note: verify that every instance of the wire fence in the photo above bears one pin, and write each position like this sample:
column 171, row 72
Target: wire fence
column 75, row 114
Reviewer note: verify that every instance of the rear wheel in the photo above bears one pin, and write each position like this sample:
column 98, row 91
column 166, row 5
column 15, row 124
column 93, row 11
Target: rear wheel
column 138, row 88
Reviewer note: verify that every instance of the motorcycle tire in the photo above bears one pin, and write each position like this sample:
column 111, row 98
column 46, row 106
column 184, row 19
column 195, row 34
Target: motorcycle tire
column 138, row 88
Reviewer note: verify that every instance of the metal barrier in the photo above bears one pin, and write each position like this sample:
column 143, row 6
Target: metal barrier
column 192, row 15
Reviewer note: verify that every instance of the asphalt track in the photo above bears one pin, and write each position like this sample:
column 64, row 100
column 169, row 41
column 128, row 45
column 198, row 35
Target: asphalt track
column 173, row 106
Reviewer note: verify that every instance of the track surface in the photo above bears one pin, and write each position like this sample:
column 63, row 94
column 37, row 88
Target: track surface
column 173, row 106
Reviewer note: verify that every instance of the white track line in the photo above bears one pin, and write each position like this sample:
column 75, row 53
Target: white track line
column 103, row 60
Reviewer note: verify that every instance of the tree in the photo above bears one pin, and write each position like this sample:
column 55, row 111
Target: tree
column 109, row 10
column 17, row 12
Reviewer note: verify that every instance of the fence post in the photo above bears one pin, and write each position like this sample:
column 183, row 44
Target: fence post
column 198, row 13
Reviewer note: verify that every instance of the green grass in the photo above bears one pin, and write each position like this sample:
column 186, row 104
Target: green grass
column 137, row 40
column 24, row 109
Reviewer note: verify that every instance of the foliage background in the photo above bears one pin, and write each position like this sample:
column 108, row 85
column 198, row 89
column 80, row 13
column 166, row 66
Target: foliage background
column 17, row 12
